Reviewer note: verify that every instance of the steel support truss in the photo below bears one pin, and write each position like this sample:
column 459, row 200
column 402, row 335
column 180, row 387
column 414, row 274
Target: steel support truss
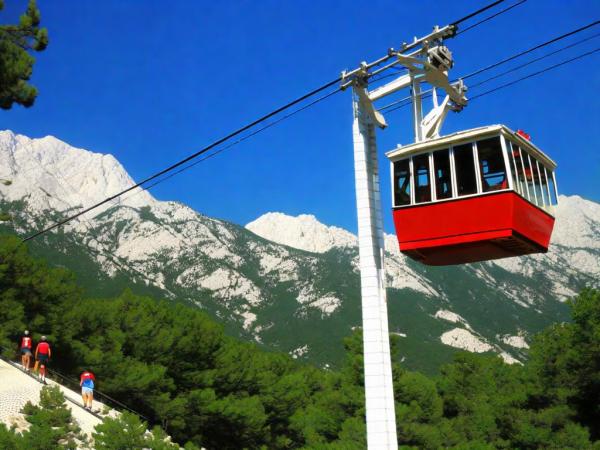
column 428, row 62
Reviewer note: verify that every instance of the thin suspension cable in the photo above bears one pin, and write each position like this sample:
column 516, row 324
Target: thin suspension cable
column 539, row 72
column 544, row 44
column 506, row 72
column 222, row 140
column 189, row 158
column 220, row 150
column 479, row 11
column 490, row 17
column 402, row 102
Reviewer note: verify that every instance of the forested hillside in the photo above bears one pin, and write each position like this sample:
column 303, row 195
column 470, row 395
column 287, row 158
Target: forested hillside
column 176, row 366
column 288, row 283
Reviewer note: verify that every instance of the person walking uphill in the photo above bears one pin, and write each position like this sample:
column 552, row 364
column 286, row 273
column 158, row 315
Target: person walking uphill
column 42, row 356
column 26, row 351
column 86, row 381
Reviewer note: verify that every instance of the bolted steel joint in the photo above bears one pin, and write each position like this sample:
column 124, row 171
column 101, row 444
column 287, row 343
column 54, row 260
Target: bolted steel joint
column 440, row 57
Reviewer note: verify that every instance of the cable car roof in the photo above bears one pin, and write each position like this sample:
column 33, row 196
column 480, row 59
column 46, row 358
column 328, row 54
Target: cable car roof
column 471, row 135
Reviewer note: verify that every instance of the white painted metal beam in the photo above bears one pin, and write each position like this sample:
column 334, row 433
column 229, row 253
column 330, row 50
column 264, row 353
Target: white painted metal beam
column 399, row 83
column 379, row 390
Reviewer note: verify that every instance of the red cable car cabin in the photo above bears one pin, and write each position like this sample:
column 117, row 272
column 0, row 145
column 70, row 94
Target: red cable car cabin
column 476, row 195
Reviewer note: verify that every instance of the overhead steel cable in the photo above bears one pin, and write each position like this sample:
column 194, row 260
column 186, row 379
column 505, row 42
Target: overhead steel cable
column 233, row 134
column 401, row 102
column 539, row 72
column 490, row 17
column 547, row 55
column 543, row 44
column 189, row 158
column 476, row 13
column 408, row 100
column 243, row 138
column 452, row 27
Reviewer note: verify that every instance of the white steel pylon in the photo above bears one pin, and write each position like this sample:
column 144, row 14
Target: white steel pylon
column 428, row 61
column 381, row 418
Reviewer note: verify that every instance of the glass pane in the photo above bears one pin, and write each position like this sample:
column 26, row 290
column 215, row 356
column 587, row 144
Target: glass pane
column 491, row 165
column 465, row 169
column 422, row 183
column 511, row 157
column 552, row 186
column 443, row 180
column 521, row 172
column 529, row 176
column 541, row 184
column 401, row 183
column 535, row 182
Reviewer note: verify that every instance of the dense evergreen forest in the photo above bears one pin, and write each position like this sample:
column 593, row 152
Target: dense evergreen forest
column 176, row 366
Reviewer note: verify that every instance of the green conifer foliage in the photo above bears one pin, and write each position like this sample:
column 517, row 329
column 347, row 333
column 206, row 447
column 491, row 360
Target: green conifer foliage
column 16, row 62
column 178, row 368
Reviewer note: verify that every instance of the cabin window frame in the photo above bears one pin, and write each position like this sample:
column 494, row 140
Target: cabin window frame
column 542, row 195
column 548, row 185
column 393, row 182
column 454, row 180
column 555, row 186
column 478, row 181
column 479, row 168
column 451, row 173
column 537, row 166
column 507, row 164
column 554, row 189
column 535, row 199
column 426, row 155
column 517, row 188
column 412, row 180
column 513, row 160
column 528, row 197
column 475, row 168
column 432, row 180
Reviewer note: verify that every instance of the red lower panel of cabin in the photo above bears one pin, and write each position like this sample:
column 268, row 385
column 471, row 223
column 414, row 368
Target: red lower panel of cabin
column 472, row 229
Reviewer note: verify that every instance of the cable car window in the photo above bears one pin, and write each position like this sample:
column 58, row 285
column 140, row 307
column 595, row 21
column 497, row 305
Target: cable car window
column 491, row 165
column 529, row 176
column 511, row 157
column 552, row 185
column 545, row 174
column 540, row 183
column 401, row 183
column 465, row 169
column 443, row 180
column 422, row 182
column 521, row 171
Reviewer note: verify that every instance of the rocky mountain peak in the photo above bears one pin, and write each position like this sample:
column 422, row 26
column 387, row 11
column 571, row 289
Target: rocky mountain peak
column 54, row 175
column 304, row 301
column 303, row 232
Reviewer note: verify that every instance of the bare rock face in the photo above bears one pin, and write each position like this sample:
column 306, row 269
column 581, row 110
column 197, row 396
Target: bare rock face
column 52, row 174
column 288, row 282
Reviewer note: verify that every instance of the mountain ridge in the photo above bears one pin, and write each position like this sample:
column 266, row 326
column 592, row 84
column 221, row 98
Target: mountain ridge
column 289, row 283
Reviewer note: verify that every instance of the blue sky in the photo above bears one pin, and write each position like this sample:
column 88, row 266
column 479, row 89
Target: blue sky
column 154, row 81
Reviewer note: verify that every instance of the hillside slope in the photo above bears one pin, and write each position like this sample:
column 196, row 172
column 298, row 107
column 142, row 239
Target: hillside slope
column 289, row 283
column 18, row 388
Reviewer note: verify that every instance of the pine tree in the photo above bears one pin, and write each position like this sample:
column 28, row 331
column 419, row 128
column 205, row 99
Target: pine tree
column 16, row 61
column 127, row 431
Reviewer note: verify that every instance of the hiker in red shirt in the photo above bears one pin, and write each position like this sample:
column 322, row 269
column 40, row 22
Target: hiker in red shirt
column 26, row 351
column 42, row 356
column 86, row 381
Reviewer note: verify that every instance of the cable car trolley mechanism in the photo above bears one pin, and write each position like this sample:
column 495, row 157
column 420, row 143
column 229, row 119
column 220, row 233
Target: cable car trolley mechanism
column 475, row 195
